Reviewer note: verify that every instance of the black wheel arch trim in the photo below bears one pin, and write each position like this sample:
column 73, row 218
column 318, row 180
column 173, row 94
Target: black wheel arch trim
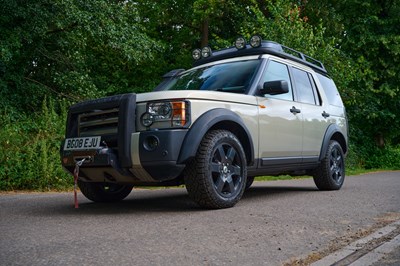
column 218, row 118
column 333, row 133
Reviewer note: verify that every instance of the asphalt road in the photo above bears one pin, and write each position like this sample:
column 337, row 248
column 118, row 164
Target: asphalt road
column 276, row 222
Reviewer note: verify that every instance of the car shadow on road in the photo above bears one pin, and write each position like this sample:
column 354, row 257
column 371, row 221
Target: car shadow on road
column 170, row 200
column 157, row 203
column 267, row 192
column 153, row 201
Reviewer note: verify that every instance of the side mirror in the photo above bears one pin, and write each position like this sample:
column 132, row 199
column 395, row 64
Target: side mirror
column 275, row 87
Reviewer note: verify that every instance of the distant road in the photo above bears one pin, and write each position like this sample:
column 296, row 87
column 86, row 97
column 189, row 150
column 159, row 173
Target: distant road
column 275, row 222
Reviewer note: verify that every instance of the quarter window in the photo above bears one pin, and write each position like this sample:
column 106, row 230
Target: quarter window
column 303, row 85
column 330, row 90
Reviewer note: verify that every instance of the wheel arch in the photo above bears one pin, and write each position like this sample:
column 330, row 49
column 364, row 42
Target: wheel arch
column 216, row 119
column 333, row 133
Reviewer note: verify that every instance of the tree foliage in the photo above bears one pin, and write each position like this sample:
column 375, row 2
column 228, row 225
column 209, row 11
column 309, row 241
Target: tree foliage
column 369, row 34
column 73, row 49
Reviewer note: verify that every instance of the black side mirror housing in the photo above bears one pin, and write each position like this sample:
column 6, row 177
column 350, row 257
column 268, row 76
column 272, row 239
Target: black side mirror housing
column 275, row 87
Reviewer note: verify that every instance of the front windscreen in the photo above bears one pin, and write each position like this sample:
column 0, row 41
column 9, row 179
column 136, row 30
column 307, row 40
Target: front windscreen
column 229, row 77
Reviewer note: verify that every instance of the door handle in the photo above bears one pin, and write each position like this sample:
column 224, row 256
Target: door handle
column 294, row 110
column 325, row 114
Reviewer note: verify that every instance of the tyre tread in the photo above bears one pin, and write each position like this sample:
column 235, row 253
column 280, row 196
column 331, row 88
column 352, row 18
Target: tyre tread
column 195, row 174
column 321, row 175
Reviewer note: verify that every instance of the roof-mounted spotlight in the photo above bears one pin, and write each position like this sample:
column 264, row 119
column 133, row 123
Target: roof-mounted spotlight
column 255, row 41
column 206, row 52
column 196, row 54
column 240, row 43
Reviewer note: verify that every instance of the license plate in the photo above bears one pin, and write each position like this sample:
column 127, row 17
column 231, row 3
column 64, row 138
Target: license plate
column 86, row 143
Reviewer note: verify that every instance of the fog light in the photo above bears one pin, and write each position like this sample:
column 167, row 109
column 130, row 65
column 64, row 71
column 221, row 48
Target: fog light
column 255, row 41
column 151, row 143
column 196, row 54
column 240, row 43
column 206, row 52
column 147, row 119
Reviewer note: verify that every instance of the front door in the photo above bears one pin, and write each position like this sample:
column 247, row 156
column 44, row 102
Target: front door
column 280, row 121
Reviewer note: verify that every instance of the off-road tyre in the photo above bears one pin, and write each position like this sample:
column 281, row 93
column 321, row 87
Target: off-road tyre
column 104, row 192
column 330, row 173
column 249, row 182
column 216, row 178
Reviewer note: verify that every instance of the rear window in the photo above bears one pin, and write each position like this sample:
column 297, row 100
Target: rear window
column 331, row 91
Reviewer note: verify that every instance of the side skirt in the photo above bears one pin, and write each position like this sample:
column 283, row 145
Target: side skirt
column 278, row 166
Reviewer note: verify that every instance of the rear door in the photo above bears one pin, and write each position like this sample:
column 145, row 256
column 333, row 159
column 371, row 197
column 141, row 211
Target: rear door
column 315, row 118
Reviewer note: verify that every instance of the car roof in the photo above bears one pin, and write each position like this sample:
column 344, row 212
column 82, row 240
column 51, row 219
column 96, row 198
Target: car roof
column 266, row 47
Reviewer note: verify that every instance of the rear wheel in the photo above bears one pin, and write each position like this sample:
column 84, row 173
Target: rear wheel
column 104, row 192
column 216, row 178
column 331, row 172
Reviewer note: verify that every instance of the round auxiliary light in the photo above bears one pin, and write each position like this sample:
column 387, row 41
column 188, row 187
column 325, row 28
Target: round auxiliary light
column 147, row 119
column 206, row 52
column 255, row 41
column 196, row 54
column 240, row 43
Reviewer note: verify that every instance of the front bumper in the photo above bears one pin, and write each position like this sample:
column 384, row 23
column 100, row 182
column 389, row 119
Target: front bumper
column 154, row 159
column 161, row 161
column 99, row 166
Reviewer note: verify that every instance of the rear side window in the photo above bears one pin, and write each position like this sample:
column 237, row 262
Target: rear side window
column 330, row 90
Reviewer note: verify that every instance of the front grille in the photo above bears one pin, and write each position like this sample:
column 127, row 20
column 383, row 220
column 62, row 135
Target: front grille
column 112, row 118
column 98, row 123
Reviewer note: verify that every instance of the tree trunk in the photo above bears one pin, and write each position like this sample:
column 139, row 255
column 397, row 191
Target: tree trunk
column 204, row 33
column 380, row 141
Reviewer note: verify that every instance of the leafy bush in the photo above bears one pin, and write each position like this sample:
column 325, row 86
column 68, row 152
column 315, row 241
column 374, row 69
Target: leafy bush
column 387, row 158
column 29, row 157
column 368, row 156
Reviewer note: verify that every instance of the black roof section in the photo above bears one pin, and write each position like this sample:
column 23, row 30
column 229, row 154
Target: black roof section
column 267, row 47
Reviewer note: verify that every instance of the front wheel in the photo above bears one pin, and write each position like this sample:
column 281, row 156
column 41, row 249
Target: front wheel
column 216, row 178
column 249, row 182
column 331, row 172
column 104, row 192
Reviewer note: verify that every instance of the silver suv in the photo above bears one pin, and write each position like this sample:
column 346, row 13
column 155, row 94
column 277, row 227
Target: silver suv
column 257, row 108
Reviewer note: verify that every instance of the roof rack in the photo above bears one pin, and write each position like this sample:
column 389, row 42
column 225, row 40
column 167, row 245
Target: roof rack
column 265, row 47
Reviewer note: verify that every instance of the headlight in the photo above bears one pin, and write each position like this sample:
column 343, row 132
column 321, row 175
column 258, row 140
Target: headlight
column 166, row 114
column 160, row 110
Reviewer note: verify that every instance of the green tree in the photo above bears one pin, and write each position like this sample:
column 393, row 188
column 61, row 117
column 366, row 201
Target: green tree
column 369, row 33
column 73, row 49
column 55, row 50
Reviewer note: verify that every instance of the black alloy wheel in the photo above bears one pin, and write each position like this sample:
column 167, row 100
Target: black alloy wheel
column 216, row 178
column 330, row 173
